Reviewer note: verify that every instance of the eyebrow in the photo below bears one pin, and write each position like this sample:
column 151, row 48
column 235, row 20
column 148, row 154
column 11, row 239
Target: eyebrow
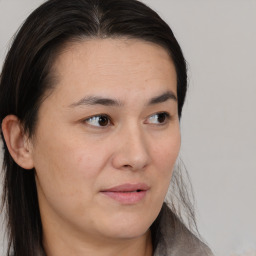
column 98, row 100
column 169, row 95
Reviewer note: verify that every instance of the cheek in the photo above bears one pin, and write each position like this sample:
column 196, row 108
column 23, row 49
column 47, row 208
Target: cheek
column 165, row 155
column 67, row 174
column 166, row 151
column 67, row 167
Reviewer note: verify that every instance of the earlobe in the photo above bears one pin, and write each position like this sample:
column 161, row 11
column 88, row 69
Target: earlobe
column 17, row 143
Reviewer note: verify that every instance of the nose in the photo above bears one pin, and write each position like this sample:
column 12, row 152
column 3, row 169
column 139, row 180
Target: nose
column 132, row 151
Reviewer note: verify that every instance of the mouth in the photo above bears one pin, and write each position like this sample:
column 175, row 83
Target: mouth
column 127, row 193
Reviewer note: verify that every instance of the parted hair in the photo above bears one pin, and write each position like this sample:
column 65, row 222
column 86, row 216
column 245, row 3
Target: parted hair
column 27, row 78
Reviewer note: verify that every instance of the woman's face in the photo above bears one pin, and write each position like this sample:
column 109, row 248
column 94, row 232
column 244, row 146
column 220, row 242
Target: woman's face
column 107, row 139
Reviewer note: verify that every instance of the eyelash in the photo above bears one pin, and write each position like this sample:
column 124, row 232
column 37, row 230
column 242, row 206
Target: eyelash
column 108, row 121
column 167, row 117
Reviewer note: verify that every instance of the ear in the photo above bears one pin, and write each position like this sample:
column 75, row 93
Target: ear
column 18, row 144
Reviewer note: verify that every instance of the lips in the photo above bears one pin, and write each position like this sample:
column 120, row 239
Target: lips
column 128, row 188
column 127, row 193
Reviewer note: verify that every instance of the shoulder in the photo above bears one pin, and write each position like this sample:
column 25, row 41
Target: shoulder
column 176, row 239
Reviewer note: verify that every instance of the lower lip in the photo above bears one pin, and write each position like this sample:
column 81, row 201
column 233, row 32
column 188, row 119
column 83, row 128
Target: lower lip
column 126, row 197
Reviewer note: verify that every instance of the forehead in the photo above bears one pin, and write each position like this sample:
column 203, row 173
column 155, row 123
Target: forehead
column 113, row 65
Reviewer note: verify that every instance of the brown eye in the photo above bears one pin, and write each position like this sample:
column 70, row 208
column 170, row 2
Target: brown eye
column 103, row 121
column 159, row 118
column 98, row 121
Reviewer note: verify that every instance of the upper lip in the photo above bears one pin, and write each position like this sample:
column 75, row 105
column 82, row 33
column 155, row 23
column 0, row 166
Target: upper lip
column 128, row 187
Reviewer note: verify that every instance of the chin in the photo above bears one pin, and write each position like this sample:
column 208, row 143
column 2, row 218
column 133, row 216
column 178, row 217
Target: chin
column 127, row 227
column 128, row 233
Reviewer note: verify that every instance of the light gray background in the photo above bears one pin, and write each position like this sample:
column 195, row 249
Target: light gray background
column 218, row 38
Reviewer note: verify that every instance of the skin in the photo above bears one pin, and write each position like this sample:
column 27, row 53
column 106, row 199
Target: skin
column 75, row 158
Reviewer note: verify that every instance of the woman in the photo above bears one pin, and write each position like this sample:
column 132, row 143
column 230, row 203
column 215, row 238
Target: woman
column 91, row 97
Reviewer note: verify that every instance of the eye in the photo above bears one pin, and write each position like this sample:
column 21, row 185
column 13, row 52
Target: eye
column 159, row 118
column 98, row 121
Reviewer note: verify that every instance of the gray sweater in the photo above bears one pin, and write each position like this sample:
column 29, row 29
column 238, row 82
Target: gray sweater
column 175, row 239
